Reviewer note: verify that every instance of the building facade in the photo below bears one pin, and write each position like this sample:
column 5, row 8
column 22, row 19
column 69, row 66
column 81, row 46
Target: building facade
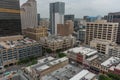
column 101, row 29
column 44, row 22
column 11, row 51
column 29, row 17
column 114, row 17
column 65, row 29
column 57, row 11
column 69, row 17
column 57, row 42
column 36, row 33
column 10, row 14
column 102, row 45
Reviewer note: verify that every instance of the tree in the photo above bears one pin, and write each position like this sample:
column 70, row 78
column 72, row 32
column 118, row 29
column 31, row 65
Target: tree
column 60, row 55
column 103, row 77
column 114, row 76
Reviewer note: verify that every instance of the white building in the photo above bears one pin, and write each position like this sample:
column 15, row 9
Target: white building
column 82, row 54
column 29, row 14
column 84, row 75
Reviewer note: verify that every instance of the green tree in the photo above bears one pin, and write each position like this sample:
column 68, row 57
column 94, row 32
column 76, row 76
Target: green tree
column 114, row 76
column 103, row 77
column 60, row 55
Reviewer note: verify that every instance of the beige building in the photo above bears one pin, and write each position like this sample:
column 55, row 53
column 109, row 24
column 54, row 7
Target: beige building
column 44, row 22
column 36, row 33
column 57, row 42
column 102, row 30
column 29, row 14
column 65, row 29
column 102, row 45
column 45, row 66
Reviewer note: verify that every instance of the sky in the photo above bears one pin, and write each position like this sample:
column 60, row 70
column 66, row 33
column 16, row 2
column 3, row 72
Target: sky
column 80, row 8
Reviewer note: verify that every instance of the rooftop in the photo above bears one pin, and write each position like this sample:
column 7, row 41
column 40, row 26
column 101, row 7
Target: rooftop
column 64, row 73
column 54, row 38
column 16, row 43
column 46, row 65
column 111, row 61
column 83, row 50
column 83, row 75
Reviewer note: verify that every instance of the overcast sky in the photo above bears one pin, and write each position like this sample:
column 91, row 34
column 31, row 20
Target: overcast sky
column 80, row 8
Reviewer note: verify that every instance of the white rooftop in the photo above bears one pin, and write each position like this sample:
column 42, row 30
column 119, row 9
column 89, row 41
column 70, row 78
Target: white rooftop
column 110, row 61
column 58, row 60
column 89, row 76
column 47, row 65
column 83, row 74
column 41, row 61
column 43, row 67
column 83, row 50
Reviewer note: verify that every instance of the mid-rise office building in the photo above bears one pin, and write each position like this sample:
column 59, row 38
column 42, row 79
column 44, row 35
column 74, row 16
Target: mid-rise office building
column 101, row 29
column 65, row 29
column 57, row 11
column 82, row 55
column 102, row 45
column 17, row 48
column 10, row 22
column 57, row 42
column 29, row 17
column 114, row 17
column 36, row 33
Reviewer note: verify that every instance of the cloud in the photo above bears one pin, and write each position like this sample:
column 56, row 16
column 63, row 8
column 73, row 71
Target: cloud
column 80, row 7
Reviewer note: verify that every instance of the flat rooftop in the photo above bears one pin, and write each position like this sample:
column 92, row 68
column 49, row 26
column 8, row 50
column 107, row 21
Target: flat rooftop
column 83, row 50
column 41, row 62
column 47, row 64
column 111, row 61
column 83, row 75
column 64, row 73
column 16, row 43
column 50, row 64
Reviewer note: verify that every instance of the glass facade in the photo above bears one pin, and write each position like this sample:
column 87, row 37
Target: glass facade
column 69, row 17
column 10, row 22
column 57, row 7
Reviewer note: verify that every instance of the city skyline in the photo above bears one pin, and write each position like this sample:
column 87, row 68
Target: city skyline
column 80, row 8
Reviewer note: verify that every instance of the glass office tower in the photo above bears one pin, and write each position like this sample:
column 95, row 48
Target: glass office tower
column 10, row 22
column 57, row 11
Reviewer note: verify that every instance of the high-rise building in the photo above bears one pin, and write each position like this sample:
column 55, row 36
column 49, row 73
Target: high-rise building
column 101, row 29
column 29, row 17
column 57, row 11
column 38, row 17
column 114, row 17
column 10, row 22
column 69, row 17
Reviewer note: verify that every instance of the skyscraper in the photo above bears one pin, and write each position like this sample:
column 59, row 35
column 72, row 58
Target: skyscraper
column 10, row 22
column 29, row 17
column 57, row 11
